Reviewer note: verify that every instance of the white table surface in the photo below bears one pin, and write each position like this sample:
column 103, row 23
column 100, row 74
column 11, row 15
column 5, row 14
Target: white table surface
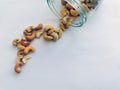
column 86, row 58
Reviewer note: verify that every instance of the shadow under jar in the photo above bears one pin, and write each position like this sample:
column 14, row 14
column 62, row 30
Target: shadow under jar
column 84, row 8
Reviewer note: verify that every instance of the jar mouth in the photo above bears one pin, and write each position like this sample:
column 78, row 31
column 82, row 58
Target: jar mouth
column 77, row 6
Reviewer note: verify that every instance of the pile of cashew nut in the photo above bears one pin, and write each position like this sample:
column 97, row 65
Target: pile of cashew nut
column 24, row 47
column 68, row 15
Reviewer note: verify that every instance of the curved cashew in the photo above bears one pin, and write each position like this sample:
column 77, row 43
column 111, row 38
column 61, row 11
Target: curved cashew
column 46, row 37
column 29, row 29
column 60, row 32
column 16, row 41
column 48, row 27
column 25, row 58
column 26, row 33
column 74, row 12
column 29, row 49
column 86, row 7
column 24, row 42
column 68, row 6
column 62, row 26
column 64, row 12
column 20, row 47
column 18, row 67
column 63, row 2
column 30, row 38
column 55, row 36
column 39, row 27
column 39, row 33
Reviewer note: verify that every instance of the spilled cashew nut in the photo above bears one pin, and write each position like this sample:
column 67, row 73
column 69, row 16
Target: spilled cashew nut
column 68, row 6
column 25, row 58
column 64, row 12
column 18, row 67
column 16, row 41
column 32, row 37
column 63, row 2
column 39, row 27
column 38, row 33
column 29, row 29
column 24, row 42
column 29, row 49
column 73, row 12
column 60, row 32
column 55, row 36
column 46, row 37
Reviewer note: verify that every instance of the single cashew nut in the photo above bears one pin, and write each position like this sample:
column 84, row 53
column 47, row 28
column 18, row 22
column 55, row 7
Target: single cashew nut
column 38, row 33
column 29, row 49
column 86, row 7
column 25, row 58
column 32, row 37
column 55, row 36
column 24, row 42
column 63, row 2
column 18, row 67
column 60, row 32
column 39, row 27
column 46, row 37
column 16, row 41
column 73, row 12
column 68, row 6
column 26, row 33
column 64, row 12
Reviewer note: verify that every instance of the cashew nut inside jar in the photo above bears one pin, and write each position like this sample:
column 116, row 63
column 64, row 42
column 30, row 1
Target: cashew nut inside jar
column 84, row 8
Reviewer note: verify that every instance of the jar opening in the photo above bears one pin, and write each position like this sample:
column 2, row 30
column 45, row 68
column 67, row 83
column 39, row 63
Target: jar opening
column 56, row 7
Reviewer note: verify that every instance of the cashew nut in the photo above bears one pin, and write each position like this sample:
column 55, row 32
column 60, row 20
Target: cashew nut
column 73, row 12
column 46, row 37
column 68, row 6
column 26, row 33
column 64, row 12
column 29, row 29
column 29, row 49
column 18, row 67
column 30, row 38
column 25, row 58
column 60, row 32
column 16, row 41
column 39, row 27
column 38, row 33
column 55, row 36
column 24, row 42
column 48, row 27
column 63, row 2
column 86, row 8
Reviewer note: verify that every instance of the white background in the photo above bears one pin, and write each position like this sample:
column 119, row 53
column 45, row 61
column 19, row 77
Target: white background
column 86, row 58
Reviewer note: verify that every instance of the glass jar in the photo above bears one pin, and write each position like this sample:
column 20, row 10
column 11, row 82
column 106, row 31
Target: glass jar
column 84, row 8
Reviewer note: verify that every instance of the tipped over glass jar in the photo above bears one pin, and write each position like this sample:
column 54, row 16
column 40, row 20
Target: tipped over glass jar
column 73, row 12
